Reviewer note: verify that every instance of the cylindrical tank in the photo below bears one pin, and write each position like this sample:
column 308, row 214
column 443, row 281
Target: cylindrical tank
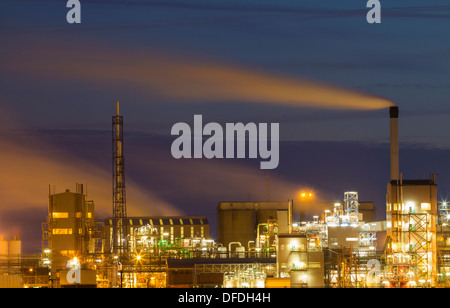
column 240, row 252
column 222, row 250
column 15, row 248
column 3, row 248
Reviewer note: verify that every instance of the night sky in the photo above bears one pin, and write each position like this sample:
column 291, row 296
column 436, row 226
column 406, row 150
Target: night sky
column 315, row 67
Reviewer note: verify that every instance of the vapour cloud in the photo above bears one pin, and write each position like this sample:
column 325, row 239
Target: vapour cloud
column 31, row 164
column 174, row 78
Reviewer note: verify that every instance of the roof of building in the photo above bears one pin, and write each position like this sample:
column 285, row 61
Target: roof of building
column 415, row 182
column 161, row 220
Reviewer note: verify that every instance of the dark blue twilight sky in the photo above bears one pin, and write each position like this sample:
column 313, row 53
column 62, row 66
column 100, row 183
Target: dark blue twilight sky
column 230, row 61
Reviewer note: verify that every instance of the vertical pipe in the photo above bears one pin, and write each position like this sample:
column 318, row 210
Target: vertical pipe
column 290, row 215
column 393, row 112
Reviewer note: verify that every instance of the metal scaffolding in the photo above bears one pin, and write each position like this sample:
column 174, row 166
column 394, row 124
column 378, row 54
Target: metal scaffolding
column 119, row 196
column 351, row 206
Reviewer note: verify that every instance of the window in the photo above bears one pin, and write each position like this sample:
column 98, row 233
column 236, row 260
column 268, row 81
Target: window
column 425, row 206
column 351, row 239
column 60, row 215
column 62, row 231
column 67, row 252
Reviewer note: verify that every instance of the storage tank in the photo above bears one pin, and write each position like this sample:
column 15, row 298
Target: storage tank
column 236, row 223
column 223, row 253
column 3, row 248
column 15, row 247
column 240, row 252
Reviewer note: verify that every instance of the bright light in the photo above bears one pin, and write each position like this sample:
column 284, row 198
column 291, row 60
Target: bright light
column 138, row 257
column 410, row 205
column 260, row 283
column 306, row 194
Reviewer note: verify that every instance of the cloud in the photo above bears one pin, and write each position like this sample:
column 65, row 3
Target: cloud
column 175, row 78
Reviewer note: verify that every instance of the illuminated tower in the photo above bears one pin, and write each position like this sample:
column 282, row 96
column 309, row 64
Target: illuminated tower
column 411, row 209
column 119, row 197
column 352, row 207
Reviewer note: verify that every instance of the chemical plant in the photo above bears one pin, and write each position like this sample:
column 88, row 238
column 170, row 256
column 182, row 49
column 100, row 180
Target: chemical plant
column 259, row 244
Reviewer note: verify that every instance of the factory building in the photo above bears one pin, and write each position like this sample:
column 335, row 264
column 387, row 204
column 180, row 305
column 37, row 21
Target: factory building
column 244, row 221
column 411, row 212
column 70, row 234
column 411, row 229
column 170, row 229
column 70, row 224
column 259, row 242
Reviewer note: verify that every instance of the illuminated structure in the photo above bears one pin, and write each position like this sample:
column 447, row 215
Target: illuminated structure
column 443, row 243
column 352, row 207
column 259, row 244
column 411, row 229
column 119, row 195
column 71, row 231
column 411, row 209
column 246, row 221
column 169, row 229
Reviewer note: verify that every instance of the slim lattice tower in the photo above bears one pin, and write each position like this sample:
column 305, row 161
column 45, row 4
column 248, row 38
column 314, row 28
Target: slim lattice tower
column 352, row 206
column 119, row 196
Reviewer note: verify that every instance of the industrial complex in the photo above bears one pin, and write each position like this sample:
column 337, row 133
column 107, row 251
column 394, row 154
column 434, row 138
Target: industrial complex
column 259, row 244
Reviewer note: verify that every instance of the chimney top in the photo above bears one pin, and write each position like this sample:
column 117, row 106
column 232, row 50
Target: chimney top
column 393, row 112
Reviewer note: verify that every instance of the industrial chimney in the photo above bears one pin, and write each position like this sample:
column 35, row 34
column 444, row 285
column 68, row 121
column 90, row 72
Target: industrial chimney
column 393, row 113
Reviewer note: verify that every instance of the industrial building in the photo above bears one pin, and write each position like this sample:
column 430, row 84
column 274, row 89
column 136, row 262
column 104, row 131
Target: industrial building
column 259, row 244
column 240, row 222
column 171, row 228
column 71, row 222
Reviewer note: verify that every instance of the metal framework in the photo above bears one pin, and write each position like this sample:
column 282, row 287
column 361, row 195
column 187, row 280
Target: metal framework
column 413, row 237
column 351, row 206
column 233, row 268
column 119, row 196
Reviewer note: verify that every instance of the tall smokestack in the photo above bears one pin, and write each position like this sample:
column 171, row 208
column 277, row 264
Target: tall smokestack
column 393, row 113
